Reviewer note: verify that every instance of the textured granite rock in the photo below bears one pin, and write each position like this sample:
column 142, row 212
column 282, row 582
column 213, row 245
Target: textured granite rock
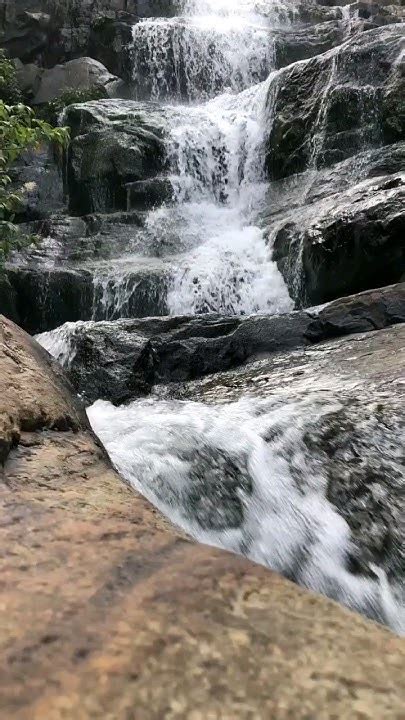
column 106, row 613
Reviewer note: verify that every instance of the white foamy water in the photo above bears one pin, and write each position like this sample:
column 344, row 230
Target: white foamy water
column 203, row 248
column 199, row 57
column 217, row 154
column 239, row 476
column 60, row 342
column 208, row 48
column 219, row 260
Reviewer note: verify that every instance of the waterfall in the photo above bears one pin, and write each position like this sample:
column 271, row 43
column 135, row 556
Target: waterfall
column 221, row 51
column 211, row 47
column 216, row 152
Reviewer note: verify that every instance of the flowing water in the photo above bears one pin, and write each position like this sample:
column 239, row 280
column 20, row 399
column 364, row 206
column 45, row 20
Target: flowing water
column 241, row 476
column 216, row 160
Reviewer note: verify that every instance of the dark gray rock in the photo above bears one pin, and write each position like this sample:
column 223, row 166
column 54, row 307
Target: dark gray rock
column 37, row 178
column 146, row 194
column 8, row 299
column 49, row 32
column 287, row 196
column 108, row 359
column 44, row 298
column 365, row 486
column 75, row 241
column 113, row 143
column 105, row 253
column 294, row 44
column 110, row 42
column 331, row 107
column 52, row 31
column 344, row 243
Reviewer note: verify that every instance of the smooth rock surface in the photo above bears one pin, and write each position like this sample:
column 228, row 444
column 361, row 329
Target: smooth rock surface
column 106, row 613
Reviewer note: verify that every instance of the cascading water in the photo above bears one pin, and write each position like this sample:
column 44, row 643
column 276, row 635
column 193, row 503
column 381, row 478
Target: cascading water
column 211, row 47
column 215, row 155
column 241, row 476
column 216, row 152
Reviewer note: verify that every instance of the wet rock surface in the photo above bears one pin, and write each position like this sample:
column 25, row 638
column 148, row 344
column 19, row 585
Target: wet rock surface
column 346, row 243
column 43, row 298
column 334, row 154
column 113, row 144
column 323, row 114
column 351, row 227
column 121, row 360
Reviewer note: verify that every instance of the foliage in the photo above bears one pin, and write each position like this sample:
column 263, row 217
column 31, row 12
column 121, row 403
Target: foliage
column 19, row 130
column 71, row 96
column 9, row 88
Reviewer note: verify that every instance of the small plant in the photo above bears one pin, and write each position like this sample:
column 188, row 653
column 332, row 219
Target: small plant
column 71, row 96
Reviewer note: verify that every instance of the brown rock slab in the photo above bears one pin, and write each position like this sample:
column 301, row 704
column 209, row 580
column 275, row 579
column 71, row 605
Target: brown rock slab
column 107, row 613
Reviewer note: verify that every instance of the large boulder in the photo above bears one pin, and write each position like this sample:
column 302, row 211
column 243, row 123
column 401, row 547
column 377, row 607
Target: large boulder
column 110, row 640
column 82, row 74
column 339, row 246
column 114, row 143
column 121, row 360
column 345, row 243
column 331, row 107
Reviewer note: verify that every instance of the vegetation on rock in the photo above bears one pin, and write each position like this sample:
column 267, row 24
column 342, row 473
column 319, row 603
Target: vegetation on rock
column 9, row 87
column 20, row 130
column 71, row 96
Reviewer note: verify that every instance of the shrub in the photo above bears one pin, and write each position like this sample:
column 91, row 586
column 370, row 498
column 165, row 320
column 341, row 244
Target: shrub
column 52, row 110
column 9, row 88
